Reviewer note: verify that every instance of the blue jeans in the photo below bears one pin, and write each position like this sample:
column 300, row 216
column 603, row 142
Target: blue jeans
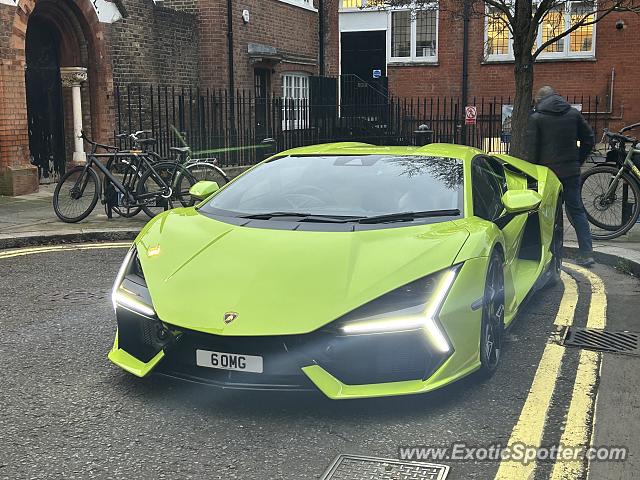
column 575, row 211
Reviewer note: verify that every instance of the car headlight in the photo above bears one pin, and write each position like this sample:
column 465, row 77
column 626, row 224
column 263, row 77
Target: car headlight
column 130, row 288
column 414, row 306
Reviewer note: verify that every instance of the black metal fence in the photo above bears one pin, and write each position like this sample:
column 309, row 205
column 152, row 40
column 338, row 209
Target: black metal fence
column 233, row 128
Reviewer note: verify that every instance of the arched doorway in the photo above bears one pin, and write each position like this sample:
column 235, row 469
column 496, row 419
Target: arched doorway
column 59, row 35
column 45, row 114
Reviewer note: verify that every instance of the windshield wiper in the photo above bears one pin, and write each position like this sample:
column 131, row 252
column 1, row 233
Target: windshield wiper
column 304, row 217
column 408, row 216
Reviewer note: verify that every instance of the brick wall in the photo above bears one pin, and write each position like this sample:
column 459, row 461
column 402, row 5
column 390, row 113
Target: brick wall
column 292, row 30
column 331, row 38
column 16, row 174
column 570, row 77
column 155, row 43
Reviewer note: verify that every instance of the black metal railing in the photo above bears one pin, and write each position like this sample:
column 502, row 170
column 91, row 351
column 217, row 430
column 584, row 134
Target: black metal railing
column 233, row 128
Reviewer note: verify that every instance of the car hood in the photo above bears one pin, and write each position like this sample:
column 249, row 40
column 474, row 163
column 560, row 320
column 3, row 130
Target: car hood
column 280, row 282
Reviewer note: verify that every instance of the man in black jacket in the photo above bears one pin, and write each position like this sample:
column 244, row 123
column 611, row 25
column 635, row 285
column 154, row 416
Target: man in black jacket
column 552, row 140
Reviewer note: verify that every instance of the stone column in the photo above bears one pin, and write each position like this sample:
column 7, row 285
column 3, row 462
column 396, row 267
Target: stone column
column 73, row 77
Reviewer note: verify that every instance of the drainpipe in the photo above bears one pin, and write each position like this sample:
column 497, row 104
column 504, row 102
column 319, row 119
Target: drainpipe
column 466, row 14
column 321, row 70
column 231, row 69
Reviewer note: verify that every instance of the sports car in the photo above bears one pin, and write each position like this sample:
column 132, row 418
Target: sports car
column 352, row 269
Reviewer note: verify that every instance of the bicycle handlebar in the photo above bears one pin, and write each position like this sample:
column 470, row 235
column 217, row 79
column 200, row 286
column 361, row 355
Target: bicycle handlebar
column 133, row 136
column 630, row 127
column 619, row 136
column 96, row 144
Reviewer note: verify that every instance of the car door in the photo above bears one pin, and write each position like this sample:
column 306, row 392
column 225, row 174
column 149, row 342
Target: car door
column 489, row 184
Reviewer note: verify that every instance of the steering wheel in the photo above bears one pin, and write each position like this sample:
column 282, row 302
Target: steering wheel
column 305, row 197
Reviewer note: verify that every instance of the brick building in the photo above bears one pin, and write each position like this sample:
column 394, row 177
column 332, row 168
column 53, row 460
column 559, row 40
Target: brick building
column 58, row 57
column 420, row 52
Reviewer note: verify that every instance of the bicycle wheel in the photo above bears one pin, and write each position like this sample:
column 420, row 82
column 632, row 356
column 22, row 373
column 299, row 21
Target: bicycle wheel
column 182, row 183
column 76, row 194
column 126, row 171
column 207, row 171
column 616, row 214
column 199, row 171
column 153, row 187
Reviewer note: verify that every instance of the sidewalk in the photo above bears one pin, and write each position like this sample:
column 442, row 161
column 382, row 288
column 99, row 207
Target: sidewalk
column 610, row 251
column 30, row 219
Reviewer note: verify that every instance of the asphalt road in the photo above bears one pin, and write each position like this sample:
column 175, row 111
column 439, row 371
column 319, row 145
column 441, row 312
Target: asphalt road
column 67, row 412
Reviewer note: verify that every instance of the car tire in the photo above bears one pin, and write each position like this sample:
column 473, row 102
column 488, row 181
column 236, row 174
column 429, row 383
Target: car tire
column 492, row 325
column 556, row 247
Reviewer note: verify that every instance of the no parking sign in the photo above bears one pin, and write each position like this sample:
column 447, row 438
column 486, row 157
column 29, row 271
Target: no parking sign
column 470, row 115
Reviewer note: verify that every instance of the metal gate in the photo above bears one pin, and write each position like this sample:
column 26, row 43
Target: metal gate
column 45, row 113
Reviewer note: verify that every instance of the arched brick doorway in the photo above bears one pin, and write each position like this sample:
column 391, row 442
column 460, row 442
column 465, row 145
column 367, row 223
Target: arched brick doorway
column 56, row 37
column 80, row 41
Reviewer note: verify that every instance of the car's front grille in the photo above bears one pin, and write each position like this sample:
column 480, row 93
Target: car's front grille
column 281, row 364
column 354, row 360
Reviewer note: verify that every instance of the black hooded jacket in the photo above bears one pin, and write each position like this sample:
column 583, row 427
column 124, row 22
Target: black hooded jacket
column 552, row 134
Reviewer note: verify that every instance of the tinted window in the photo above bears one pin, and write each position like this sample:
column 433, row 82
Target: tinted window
column 344, row 186
column 489, row 184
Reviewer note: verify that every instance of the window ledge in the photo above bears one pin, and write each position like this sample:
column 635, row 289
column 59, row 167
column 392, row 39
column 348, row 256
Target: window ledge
column 414, row 63
column 543, row 60
column 299, row 4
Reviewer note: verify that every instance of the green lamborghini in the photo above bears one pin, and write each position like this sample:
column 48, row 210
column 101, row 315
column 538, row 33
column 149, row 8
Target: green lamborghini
column 348, row 268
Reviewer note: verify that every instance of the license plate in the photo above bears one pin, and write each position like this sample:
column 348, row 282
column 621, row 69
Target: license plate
column 229, row 361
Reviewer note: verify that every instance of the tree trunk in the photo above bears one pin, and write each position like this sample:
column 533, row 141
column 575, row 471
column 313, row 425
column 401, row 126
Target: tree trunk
column 523, row 71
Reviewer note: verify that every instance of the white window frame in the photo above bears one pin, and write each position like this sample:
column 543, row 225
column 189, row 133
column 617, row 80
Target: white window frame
column 413, row 58
column 302, row 120
column 306, row 4
column 566, row 54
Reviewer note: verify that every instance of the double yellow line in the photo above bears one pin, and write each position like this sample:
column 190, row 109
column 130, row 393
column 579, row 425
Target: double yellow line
column 62, row 248
column 529, row 429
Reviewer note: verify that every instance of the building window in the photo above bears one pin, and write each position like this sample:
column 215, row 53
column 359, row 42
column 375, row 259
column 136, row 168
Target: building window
column 553, row 25
column 581, row 40
column 295, row 101
column 401, row 34
column 307, row 4
column 498, row 36
column 360, row 4
column 413, row 35
column 578, row 44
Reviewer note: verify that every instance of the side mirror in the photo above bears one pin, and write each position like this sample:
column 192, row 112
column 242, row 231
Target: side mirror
column 520, row 201
column 203, row 189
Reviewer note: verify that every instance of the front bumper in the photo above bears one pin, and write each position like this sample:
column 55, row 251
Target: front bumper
column 340, row 366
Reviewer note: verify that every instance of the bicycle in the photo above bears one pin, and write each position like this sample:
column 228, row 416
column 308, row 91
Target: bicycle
column 611, row 190
column 78, row 190
column 201, row 168
column 125, row 168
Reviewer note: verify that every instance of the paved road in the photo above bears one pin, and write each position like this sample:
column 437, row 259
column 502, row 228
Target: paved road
column 67, row 412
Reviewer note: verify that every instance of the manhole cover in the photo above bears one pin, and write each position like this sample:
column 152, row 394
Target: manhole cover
column 78, row 296
column 356, row 467
column 603, row 340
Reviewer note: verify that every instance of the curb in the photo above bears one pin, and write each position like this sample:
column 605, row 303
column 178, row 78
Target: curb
column 616, row 257
column 29, row 240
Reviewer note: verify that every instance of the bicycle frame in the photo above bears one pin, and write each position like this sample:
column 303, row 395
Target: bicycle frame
column 131, row 196
column 627, row 165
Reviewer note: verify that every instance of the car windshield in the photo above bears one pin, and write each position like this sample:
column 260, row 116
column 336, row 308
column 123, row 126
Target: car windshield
column 344, row 187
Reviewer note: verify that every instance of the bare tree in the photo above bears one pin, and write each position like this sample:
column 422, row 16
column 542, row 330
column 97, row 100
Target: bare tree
column 523, row 19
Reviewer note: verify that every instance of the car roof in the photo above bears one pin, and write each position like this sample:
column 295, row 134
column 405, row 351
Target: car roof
column 447, row 150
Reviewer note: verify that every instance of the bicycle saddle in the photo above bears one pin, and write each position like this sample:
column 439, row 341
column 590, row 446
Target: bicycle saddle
column 180, row 149
column 146, row 141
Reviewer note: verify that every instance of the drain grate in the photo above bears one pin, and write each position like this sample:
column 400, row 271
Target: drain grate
column 357, row 467
column 602, row 340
